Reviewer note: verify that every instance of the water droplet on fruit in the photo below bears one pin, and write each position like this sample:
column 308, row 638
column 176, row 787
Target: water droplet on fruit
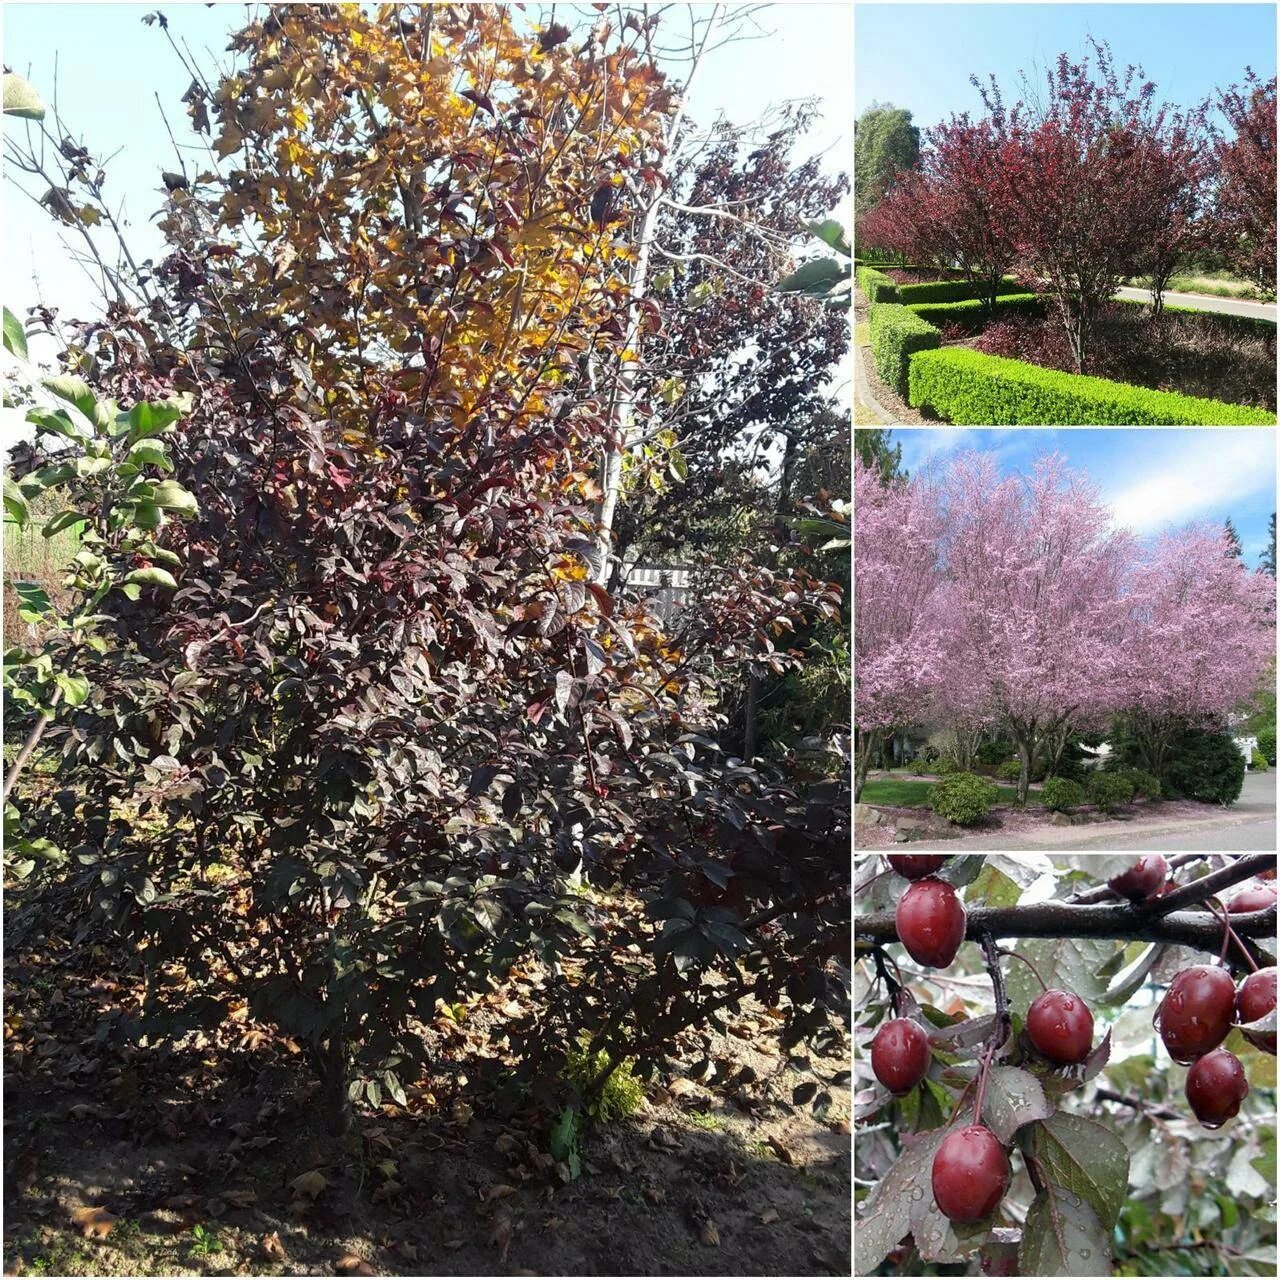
column 917, row 1193
column 1068, row 1005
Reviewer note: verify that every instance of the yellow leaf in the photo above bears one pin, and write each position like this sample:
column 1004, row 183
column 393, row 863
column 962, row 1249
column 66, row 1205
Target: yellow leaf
column 309, row 1184
column 94, row 1223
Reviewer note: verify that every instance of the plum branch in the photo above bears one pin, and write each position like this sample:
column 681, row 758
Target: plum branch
column 1121, row 921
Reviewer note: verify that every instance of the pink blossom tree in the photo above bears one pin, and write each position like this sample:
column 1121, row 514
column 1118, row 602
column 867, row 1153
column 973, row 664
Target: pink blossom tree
column 1029, row 610
column 897, row 535
column 1201, row 632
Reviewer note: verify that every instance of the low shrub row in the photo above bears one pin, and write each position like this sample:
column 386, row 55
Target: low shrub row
column 971, row 389
column 1259, row 326
column 970, row 313
column 897, row 332
column 950, row 290
column 875, row 285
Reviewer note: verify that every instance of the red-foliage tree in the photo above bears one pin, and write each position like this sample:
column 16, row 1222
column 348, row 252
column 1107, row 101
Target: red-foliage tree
column 1245, row 200
column 1085, row 186
column 1178, row 165
column 963, row 215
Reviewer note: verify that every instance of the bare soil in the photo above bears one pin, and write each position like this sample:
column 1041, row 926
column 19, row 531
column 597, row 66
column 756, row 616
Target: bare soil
column 207, row 1158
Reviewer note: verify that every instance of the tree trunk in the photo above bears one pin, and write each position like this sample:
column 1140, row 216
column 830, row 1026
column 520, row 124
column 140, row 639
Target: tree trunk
column 335, row 1101
column 751, row 718
column 624, row 402
column 1025, row 743
column 863, row 760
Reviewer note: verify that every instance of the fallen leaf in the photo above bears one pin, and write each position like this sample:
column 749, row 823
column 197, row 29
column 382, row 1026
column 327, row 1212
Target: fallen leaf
column 388, row 1189
column 271, row 1247
column 708, row 1234
column 768, row 1216
column 240, row 1197
column 461, row 1112
column 351, row 1264
column 309, row 1184
column 783, row 1153
column 500, row 1234
column 407, row 1250
column 94, row 1224
column 500, row 1192
column 655, row 1195
column 454, row 1244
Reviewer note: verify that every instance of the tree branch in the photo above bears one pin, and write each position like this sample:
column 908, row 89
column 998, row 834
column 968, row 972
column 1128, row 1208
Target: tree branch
column 1207, row 886
column 1063, row 920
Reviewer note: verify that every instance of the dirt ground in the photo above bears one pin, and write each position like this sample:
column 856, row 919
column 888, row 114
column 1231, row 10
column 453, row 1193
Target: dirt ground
column 207, row 1160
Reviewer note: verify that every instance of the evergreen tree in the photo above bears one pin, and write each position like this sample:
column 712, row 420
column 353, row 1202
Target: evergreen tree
column 884, row 142
column 1268, row 562
column 875, row 447
column 1234, row 539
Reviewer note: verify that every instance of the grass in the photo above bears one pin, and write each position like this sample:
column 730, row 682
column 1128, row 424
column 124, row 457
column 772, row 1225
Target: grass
column 1218, row 284
column 862, row 334
column 903, row 793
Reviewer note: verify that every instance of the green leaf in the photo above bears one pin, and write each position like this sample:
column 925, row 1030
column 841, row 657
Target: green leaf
column 992, row 888
column 63, row 520
column 15, row 338
column 1063, row 1237
column 171, row 496
column 152, row 576
column 74, row 390
column 151, row 418
column 815, row 279
column 1071, row 964
column 886, row 1212
column 679, row 467
column 20, row 99
column 16, row 510
column 55, row 421
column 1014, row 1098
column 832, row 233
column 1086, row 1157
column 34, row 602
column 75, row 689
column 150, row 453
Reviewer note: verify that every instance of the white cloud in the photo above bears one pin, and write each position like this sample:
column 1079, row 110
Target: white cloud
column 1204, row 472
column 920, row 445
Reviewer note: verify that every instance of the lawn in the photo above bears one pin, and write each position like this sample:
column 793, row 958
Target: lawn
column 903, row 793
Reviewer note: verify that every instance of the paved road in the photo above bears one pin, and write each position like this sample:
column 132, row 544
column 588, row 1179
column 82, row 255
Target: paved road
column 1204, row 302
column 1249, row 825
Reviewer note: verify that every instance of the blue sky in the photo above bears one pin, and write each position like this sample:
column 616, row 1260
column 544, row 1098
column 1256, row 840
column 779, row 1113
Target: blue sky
column 1152, row 479
column 111, row 67
column 920, row 56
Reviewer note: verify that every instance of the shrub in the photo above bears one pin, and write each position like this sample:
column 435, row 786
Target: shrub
column 1061, row 795
column 1143, row 783
column 1258, row 326
column 1258, row 762
column 1267, row 743
column 971, row 388
column 946, row 766
column 1108, row 791
column 875, row 285
column 895, row 334
column 621, row 1092
column 1037, row 340
column 1206, row 765
column 971, row 315
column 1009, row 770
column 963, row 798
column 950, row 291
column 993, row 751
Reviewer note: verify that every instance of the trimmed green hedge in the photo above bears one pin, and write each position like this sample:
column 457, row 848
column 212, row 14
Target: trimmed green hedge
column 895, row 333
column 969, row 388
column 971, row 315
column 950, row 290
column 875, row 285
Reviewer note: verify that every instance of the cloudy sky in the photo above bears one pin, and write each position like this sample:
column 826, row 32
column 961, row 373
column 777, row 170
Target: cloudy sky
column 1153, row 479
